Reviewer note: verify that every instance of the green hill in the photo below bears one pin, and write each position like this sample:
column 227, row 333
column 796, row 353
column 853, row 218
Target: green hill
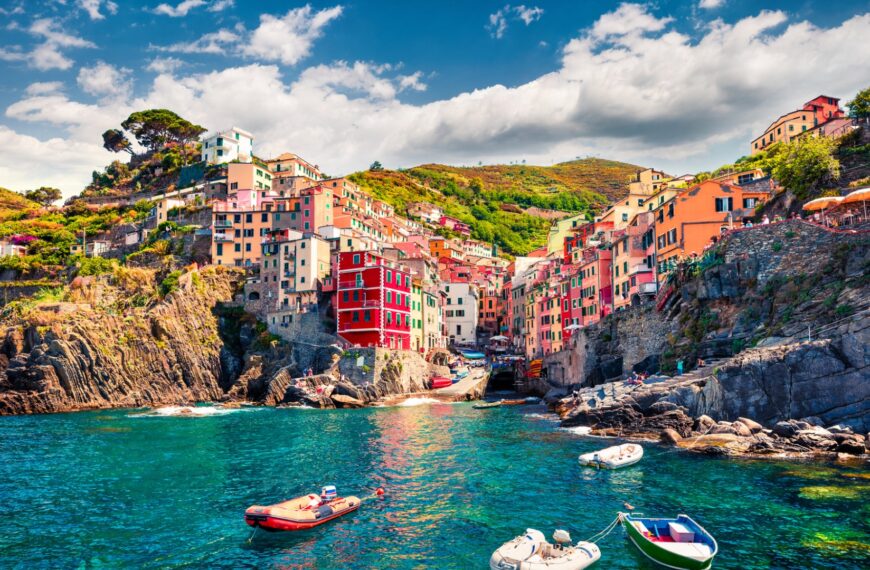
column 13, row 203
column 480, row 195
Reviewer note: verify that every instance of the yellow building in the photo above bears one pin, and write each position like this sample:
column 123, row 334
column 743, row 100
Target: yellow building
column 560, row 230
column 647, row 182
column 417, row 342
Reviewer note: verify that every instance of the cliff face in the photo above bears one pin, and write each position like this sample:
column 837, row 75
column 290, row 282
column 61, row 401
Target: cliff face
column 72, row 356
column 751, row 314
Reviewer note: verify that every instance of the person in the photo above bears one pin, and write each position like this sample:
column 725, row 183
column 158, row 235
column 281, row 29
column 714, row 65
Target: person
column 748, row 224
column 309, row 372
column 680, row 367
column 765, row 220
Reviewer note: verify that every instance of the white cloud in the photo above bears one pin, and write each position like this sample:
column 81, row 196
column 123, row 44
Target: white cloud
column 214, row 42
column 220, row 5
column 92, row 7
column 288, row 39
column 104, row 80
column 529, row 15
column 710, row 4
column 630, row 87
column 180, row 10
column 498, row 21
column 413, row 82
column 164, row 64
column 44, row 88
column 48, row 54
column 628, row 19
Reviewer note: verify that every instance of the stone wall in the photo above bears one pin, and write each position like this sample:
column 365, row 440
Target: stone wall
column 786, row 248
column 387, row 372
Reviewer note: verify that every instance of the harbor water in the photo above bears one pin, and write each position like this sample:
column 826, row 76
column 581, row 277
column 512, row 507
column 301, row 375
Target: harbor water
column 128, row 489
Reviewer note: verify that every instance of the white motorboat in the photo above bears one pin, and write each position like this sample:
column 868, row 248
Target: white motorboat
column 613, row 457
column 531, row 551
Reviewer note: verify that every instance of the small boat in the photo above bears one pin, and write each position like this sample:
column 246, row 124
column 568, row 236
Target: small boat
column 531, row 551
column 439, row 382
column 679, row 543
column 613, row 457
column 486, row 405
column 301, row 513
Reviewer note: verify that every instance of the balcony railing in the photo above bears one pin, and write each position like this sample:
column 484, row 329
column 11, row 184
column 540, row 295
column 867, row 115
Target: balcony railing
column 640, row 268
column 223, row 224
column 648, row 288
column 222, row 238
column 351, row 284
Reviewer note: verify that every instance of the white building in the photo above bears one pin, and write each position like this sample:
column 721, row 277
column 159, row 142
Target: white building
column 460, row 312
column 227, row 146
column 476, row 248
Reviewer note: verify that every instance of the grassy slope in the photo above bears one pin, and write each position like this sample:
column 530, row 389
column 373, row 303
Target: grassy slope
column 13, row 203
column 475, row 194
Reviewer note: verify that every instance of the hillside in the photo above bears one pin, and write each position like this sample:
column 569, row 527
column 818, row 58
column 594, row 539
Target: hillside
column 13, row 204
column 476, row 194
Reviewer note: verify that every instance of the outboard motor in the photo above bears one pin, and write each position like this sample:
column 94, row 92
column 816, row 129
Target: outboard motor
column 328, row 493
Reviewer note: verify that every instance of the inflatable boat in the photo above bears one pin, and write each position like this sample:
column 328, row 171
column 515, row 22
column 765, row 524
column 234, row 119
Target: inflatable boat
column 300, row 513
column 613, row 457
column 531, row 551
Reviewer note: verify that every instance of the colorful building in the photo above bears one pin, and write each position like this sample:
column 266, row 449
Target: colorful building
column 814, row 112
column 228, row 146
column 372, row 301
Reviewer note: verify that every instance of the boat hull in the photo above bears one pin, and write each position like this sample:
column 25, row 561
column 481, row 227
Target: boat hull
column 516, row 556
column 292, row 516
column 663, row 556
column 612, row 457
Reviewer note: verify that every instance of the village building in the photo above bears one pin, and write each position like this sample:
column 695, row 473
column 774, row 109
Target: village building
column 228, row 146
column 814, row 112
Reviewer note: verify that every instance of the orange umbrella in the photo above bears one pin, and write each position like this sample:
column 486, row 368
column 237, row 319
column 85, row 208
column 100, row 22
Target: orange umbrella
column 823, row 203
column 862, row 195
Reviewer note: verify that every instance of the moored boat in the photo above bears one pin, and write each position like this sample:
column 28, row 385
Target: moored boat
column 679, row 542
column 531, row 551
column 439, row 382
column 486, row 405
column 613, row 457
column 302, row 512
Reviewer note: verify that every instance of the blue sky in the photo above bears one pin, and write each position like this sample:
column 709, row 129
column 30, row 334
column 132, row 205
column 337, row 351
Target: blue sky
column 677, row 85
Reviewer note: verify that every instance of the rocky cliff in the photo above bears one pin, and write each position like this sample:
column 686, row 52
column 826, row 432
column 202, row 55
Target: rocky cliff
column 99, row 349
column 783, row 312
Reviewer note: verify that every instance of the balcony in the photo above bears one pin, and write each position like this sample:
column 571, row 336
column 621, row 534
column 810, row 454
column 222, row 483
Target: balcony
column 222, row 238
column 640, row 268
column 223, row 224
column 351, row 284
column 648, row 288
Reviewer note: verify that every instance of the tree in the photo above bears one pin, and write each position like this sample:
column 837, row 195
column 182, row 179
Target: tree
column 115, row 141
column 154, row 128
column 376, row 166
column 859, row 107
column 806, row 163
column 43, row 195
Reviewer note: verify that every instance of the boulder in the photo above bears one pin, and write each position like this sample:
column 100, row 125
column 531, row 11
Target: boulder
column 786, row 428
column 703, row 423
column 343, row 401
column 723, row 428
column 753, row 426
column 670, row 436
column 852, row 444
column 741, row 429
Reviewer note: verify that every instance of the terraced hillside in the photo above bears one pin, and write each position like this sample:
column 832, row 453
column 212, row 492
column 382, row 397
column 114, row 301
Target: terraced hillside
column 493, row 199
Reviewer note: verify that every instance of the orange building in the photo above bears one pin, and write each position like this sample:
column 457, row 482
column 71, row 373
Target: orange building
column 687, row 223
column 815, row 112
column 441, row 247
column 238, row 236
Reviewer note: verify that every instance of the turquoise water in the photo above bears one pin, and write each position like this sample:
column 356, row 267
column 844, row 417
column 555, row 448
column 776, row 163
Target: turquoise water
column 112, row 490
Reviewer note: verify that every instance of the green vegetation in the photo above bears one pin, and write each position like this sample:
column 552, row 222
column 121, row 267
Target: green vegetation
column 491, row 199
column 95, row 266
column 169, row 283
column 152, row 128
column 806, row 163
column 859, row 107
column 44, row 195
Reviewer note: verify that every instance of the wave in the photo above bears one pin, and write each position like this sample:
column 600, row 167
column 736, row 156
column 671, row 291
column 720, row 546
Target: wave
column 418, row 402
column 188, row 412
column 577, row 430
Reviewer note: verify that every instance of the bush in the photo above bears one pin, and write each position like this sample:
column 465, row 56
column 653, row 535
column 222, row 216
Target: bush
column 169, row 284
column 96, row 266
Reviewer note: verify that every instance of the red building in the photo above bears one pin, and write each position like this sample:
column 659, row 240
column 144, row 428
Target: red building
column 572, row 302
column 597, row 296
column 372, row 301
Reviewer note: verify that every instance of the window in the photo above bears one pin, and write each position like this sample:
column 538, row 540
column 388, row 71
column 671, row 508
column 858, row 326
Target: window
column 345, row 296
column 749, row 202
column 389, row 297
column 356, row 295
column 724, row 204
column 234, row 186
column 356, row 316
column 238, row 247
column 672, row 236
column 367, row 316
column 356, row 259
column 389, row 317
column 625, row 217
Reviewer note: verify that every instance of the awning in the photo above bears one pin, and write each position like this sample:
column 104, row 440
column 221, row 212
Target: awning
column 823, row 203
column 498, row 337
column 862, row 195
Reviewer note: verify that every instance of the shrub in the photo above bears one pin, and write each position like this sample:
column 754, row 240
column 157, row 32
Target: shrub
column 169, row 284
column 777, row 246
column 96, row 266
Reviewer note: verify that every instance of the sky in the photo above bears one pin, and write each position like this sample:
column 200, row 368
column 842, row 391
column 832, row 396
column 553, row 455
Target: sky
column 681, row 86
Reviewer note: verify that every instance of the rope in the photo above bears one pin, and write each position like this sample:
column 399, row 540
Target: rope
column 603, row 533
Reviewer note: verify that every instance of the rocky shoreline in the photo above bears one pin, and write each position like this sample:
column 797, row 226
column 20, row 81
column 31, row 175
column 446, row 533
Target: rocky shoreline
column 680, row 411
